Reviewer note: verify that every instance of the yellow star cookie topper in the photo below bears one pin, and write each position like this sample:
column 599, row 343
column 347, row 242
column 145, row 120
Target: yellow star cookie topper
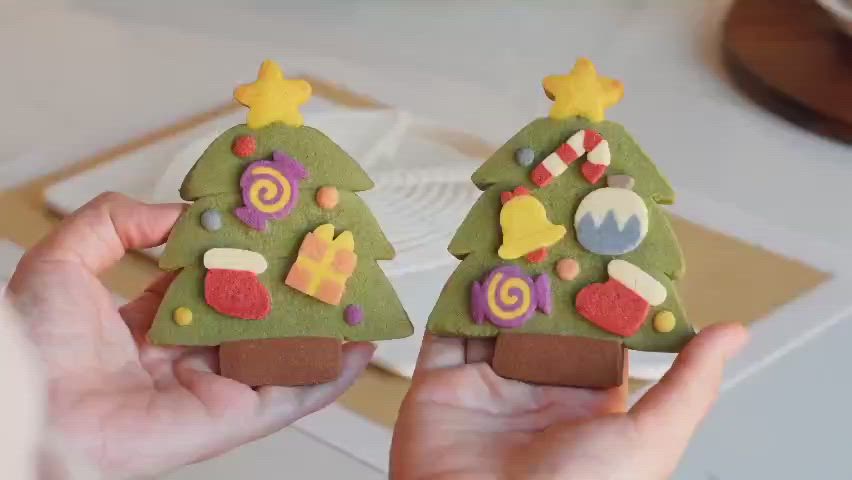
column 273, row 98
column 582, row 92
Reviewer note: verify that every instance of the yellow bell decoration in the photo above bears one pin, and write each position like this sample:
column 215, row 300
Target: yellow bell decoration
column 525, row 226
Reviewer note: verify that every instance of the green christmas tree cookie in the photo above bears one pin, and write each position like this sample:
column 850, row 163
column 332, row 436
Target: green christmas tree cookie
column 277, row 253
column 568, row 257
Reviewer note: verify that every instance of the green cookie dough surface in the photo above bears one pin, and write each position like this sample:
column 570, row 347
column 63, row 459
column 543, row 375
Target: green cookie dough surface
column 218, row 170
column 480, row 231
column 214, row 184
column 293, row 313
column 189, row 240
column 478, row 238
column 543, row 135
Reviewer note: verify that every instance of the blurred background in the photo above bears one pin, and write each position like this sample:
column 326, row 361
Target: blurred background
column 746, row 106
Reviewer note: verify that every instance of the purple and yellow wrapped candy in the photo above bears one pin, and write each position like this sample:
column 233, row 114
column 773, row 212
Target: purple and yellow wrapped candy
column 508, row 297
column 270, row 189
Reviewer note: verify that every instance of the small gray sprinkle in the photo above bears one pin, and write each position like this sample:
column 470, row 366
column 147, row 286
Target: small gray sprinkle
column 620, row 181
column 525, row 156
column 211, row 220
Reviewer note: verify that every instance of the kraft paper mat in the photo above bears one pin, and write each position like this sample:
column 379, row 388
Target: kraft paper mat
column 728, row 280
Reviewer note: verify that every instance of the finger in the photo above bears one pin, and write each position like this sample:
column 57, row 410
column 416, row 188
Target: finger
column 281, row 406
column 205, row 359
column 673, row 408
column 159, row 286
column 479, row 350
column 245, row 415
column 440, row 352
column 222, row 397
column 139, row 313
column 568, row 404
column 617, row 396
column 98, row 234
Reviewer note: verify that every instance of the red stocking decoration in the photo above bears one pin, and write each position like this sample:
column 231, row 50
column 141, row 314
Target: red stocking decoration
column 236, row 293
column 616, row 308
column 613, row 307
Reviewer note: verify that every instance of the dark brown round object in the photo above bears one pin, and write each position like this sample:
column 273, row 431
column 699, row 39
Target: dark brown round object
column 789, row 56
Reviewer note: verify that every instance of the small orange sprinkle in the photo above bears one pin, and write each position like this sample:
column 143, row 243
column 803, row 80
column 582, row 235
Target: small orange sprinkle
column 567, row 269
column 327, row 197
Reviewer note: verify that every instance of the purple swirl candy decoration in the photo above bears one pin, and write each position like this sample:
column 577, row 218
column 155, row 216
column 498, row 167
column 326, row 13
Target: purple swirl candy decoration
column 508, row 297
column 270, row 189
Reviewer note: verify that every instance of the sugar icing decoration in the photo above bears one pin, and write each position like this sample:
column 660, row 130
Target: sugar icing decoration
column 273, row 98
column 211, row 220
column 582, row 92
column 244, row 146
column 585, row 142
column 664, row 321
column 328, row 197
column 508, row 297
column 567, row 269
column 525, row 227
column 525, row 156
column 324, row 264
column 620, row 181
column 232, row 286
column 270, row 189
column 182, row 316
column 611, row 221
column 353, row 315
column 621, row 305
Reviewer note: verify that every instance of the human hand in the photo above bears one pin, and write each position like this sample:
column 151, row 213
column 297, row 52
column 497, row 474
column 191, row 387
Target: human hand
column 130, row 407
column 464, row 422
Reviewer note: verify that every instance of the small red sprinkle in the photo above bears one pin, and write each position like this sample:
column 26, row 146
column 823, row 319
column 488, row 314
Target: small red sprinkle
column 537, row 256
column 517, row 192
column 244, row 146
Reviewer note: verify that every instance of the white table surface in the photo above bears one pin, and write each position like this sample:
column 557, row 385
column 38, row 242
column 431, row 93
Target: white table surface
column 81, row 75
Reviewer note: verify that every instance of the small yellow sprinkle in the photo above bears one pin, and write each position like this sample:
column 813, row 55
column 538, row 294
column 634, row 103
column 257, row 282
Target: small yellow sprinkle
column 183, row 316
column 664, row 322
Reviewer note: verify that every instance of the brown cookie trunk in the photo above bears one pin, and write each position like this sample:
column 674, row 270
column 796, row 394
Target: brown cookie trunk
column 559, row 360
column 281, row 361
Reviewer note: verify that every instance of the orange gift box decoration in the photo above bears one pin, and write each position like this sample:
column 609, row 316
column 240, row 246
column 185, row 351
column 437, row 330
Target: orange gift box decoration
column 324, row 264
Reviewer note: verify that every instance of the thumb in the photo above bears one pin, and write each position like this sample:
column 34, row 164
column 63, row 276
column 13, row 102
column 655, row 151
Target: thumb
column 671, row 410
column 98, row 234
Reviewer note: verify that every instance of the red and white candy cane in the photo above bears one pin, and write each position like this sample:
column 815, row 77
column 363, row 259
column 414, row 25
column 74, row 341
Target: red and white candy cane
column 585, row 142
